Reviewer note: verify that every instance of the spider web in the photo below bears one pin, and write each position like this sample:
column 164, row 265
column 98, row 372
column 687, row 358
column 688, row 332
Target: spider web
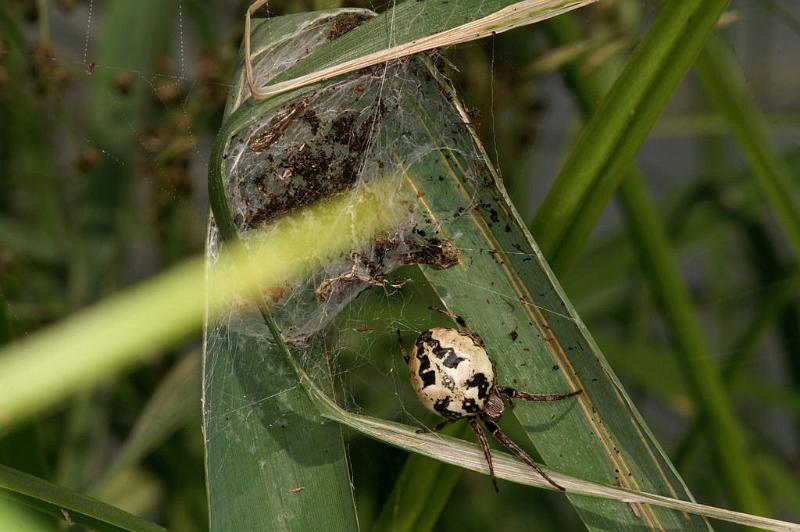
column 349, row 133
column 354, row 131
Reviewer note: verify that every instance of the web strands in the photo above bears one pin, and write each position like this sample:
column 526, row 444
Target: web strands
column 359, row 130
column 354, row 132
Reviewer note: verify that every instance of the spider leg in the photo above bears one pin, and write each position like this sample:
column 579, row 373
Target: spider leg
column 437, row 427
column 356, row 275
column 511, row 393
column 462, row 323
column 478, row 430
column 402, row 348
column 455, row 317
column 514, row 448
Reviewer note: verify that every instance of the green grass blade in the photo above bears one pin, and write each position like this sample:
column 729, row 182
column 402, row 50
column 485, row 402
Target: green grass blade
column 413, row 27
column 650, row 238
column 42, row 369
column 15, row 517
column 543, row 345
column 770, row 394
column 271, row 461
column 420, row 492
column 780, row 482
column 725, row 434
column 538, row 341
column 669, row 385
column 68, row 505
column 454, row 451
column 172, row 404
column 694, row 215
column 745, row 346
column 132, row 36
column 725, row 88
column 611, row 139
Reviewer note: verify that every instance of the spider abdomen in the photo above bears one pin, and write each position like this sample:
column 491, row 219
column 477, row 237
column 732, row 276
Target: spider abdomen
column 451, row 373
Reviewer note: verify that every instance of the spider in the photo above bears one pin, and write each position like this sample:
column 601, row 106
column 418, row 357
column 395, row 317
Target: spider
column 453, row 376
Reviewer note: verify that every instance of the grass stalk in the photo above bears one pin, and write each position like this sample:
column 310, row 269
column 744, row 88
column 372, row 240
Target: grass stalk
column 38, row 371
column 725, row 88
column 421, row 492
column 612, row 138
column 319, row 5
column 726, row 437
column 745, row 349
column 68, row 505
column 654, row 250
column 44, row 21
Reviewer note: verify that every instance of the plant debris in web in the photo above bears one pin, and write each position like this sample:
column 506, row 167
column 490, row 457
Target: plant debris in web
column 349, row 133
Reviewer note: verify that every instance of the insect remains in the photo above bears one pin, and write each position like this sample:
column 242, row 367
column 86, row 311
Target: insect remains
column 453, row 376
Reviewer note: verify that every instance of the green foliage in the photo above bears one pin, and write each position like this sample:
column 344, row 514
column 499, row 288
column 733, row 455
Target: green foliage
column 691, row 296
column 69, row 505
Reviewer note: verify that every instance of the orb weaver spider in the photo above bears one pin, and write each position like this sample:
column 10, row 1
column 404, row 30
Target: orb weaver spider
column 454, row 377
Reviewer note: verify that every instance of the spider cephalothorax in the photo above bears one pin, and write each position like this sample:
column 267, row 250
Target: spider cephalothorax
column 453, row 376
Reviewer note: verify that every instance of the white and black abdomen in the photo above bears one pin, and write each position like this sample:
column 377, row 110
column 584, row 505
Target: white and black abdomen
column 452, row 375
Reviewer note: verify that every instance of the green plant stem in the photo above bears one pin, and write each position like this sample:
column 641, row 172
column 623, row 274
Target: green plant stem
column 223, row 215
column 420, row 493
column 67, row 504
column 44, row 21
column 726, row 90
column 326, row 4
column 654, row 250
column 606, row 148
column 459, row 453
column 725, row 435
column 6, row 325
column 745, row 348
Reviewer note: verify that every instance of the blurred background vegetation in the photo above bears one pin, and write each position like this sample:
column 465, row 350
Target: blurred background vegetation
column 107, row 112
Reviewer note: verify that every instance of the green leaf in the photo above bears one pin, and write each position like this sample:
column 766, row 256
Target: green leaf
column 407, row 28
column 68, row 505
column 505, row 291
column 501, row 286
column 41, row 369
column 611, row 139
column 700, row 368
column 15, row 517
column 272, row 462
column 725, row 88
column 172, row 404
column 649, row 237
